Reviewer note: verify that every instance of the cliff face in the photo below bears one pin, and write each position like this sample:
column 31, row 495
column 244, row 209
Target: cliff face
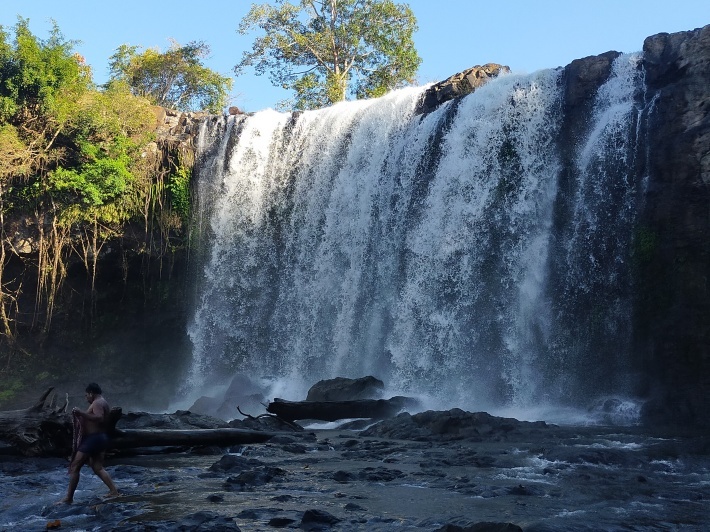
column 125, row 328
column 671, row 248
column 673, row 312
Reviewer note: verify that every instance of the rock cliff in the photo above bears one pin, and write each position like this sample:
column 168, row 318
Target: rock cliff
column 673, row 305
column 671, row 347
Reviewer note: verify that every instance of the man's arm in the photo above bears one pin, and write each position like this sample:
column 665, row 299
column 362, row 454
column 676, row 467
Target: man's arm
column 96, row 412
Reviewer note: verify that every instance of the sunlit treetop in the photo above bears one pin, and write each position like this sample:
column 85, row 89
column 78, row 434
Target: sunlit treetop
column 176, row 79
column 330, row 50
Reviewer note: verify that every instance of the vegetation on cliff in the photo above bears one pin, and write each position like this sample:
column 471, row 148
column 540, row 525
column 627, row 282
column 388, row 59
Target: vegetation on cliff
column 81, row 173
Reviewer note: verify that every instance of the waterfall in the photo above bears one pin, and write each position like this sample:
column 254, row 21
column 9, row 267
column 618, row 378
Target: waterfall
column 438, row 252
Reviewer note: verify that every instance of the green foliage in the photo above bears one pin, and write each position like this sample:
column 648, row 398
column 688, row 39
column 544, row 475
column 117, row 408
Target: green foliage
column 9, row 388
column 115, row 113
column 179, row 192
column 176, row 79
column 14, row 154
column 93, row 183
column 327, row 50
column 39, row 76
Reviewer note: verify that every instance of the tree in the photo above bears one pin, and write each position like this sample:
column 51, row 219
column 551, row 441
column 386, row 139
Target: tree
column 175, row 79
column 327, row 50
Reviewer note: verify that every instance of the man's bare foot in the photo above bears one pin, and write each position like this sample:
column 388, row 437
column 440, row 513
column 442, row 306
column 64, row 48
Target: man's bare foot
column 64, row 501
column 112, row 494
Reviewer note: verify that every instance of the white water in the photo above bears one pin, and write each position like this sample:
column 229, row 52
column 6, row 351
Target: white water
column 361, row 239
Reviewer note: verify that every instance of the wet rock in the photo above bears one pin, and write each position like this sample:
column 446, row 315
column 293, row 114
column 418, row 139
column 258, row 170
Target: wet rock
column 242, row 394
column 352, row 507
column 317, row 519
column 582, row 77
column 673, row 304
column 206, row 450
column 295, row 448
column 342, row 389
column 282, row 439
column 589, row 472
column 231, row 463
column 458, row 85
column 343, row 476
column 608, row 457
column 454, row 424
column 253, row 478
column 527, row 490
column 379, row 474
column 281, row 522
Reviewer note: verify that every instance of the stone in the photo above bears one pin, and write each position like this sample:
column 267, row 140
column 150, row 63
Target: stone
column 342, row 389
column 582, row 77
column 454, row 424
column 318, row 517
column 458, row 85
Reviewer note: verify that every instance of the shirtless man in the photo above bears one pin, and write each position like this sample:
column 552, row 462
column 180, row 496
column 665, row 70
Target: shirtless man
column 94, row 442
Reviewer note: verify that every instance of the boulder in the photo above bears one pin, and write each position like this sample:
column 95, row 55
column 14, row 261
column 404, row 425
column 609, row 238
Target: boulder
column 458, row 85
column 582, row 78
column 342, row 389
column 242, row 394
column 454, row 424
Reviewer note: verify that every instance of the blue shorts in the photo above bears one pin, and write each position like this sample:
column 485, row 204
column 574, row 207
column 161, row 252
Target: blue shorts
column 94, row 443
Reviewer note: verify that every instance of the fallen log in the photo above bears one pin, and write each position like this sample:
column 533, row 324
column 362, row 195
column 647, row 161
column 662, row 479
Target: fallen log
column 132, row 438
column 335, row 410
column 43, row 429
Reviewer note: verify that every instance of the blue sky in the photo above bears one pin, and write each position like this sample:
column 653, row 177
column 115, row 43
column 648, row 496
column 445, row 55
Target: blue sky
column 453, row 35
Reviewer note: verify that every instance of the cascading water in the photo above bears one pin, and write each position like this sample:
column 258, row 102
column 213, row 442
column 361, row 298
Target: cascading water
column 437, row 252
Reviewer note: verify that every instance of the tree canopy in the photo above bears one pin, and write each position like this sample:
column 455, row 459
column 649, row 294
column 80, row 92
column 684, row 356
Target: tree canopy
column 176, row 79
column 39, row 77
column 329, row 50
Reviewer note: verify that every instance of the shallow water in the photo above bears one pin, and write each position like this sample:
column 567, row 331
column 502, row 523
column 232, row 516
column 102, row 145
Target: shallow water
column 565, row 478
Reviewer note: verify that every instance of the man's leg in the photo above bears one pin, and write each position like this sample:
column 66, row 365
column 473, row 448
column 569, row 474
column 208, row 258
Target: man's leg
column 97, row 464
column 74, row 474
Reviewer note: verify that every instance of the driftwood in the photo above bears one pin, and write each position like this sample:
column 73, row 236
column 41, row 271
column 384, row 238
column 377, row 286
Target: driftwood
column 335, row 410
column 45, row 429
column 132, row 438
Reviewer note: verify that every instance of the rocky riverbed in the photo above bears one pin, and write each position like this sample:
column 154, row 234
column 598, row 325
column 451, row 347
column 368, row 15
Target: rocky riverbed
column 434, row 471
